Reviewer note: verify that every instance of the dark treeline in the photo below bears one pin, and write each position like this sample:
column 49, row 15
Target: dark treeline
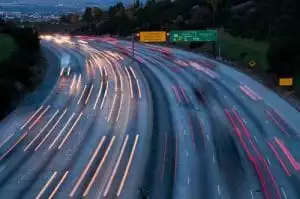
column 275, row 21
column 21, row 72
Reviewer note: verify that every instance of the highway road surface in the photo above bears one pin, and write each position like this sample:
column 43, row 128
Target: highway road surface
column 161, row 124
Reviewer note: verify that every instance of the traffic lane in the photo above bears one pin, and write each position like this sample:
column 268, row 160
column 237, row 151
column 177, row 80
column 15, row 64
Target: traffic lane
column 265, row 173
column 272, row 99
column 182, row 172
column 159, row 176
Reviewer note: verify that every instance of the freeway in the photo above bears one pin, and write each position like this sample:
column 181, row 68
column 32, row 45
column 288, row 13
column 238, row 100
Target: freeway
column 165, row 123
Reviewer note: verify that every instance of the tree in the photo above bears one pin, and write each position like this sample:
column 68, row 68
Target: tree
column 97, row 13
column 87, row 16
column 214, row 4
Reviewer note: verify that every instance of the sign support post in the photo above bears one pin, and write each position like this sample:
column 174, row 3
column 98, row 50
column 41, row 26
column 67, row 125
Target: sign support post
column 133, row 46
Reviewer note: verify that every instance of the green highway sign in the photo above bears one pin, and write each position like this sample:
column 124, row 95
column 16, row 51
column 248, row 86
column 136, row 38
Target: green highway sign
column 193, row 35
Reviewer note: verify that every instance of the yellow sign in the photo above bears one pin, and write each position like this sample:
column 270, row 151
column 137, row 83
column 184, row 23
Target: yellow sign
column 286, row 82
column 153, row 36
column 252, row 63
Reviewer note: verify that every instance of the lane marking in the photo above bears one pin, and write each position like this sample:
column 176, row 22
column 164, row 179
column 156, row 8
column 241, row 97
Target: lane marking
column 58, row 185
column 82, row 94
column 90, row 92
column 116, row 167
column 46, row 185
column 187, row 153
column 219, row 191
column 214, row 160
column 70, row 131
column 87, row 167
column 41, row 131
column 128, row 165
column 51, row 130
column 39, row 117
column 29, row 120
column 61, row 131
column 86, row 192
column 188, row 180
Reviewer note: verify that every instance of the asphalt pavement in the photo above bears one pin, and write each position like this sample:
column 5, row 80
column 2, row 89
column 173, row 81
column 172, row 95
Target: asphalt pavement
column 164, row 123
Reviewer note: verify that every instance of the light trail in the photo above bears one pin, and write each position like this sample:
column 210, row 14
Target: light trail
column 39, row 117
column 86, row 192
column 61, row 131
column 6, row 140
column 42, row 130
column 46, row 185
column 105, row 93
column 58, row 185
column 51, row 130
column 128, row 165
column 82, row 94
column 116, row 167
column 137, row 82
column 119, row 111
column 98, row 95
column 112, row 108
column 70, row 131
column 130, row 83
column 29, row 120
column 13, row 146
column 83, row 174
column 90, row 92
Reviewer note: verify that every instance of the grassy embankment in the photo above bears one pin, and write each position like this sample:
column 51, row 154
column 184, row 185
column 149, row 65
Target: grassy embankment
column 7, row 46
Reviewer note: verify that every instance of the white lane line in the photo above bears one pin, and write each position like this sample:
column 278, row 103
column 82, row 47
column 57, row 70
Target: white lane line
column 188, row 180
column 219, row 191
column 112, row 108
column 116, row 167
column 46, row 185
column 51, row 130
column 105, row 93
column 29, row 120
column 58, row 185
column 42, row 130
column 207, row 137
column 90, row 92
column 82, row 94
column 119, row 111
column 128, row 165
column 98, row 96
column 214, row 159
column 87, row 167
column 130, row 83
column 70, row 131
column 6, row 140
column 86, row 192
column 61, row 131
column 252, row 197
column 283, row 192
column 184, row 132
column 187, row 153
column 121, row 79
column 78, row 82
column 13, row 146
column 137, row 82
